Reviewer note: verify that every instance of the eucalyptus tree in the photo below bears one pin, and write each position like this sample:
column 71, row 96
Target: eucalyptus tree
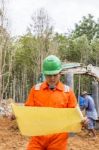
column 25, row 65
column 5, row 51
column 30, row 50
column 42, row 29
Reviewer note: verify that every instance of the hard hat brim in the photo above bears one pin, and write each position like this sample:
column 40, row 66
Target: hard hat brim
column 52, row 72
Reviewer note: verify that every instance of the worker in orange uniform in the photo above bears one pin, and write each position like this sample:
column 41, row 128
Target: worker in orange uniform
column 51, row 93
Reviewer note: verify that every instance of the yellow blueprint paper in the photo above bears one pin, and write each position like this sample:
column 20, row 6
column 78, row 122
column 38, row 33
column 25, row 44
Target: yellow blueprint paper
column 35, row 121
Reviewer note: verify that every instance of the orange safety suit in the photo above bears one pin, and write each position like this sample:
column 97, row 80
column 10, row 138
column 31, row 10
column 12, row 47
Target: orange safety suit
column 61, row 97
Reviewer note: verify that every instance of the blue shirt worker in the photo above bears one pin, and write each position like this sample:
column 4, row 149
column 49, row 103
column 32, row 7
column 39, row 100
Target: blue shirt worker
column 81, row 102
column 91, row 113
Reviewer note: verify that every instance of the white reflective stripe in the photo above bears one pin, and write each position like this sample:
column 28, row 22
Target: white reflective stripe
column 37, row 86
column 66, row 88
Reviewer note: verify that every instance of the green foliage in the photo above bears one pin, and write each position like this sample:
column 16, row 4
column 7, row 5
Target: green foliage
column 95, row 52
column 87, row 26
column 26, row 55
column 26, row 52
column 62, row 46
column 81, row 49
column 85, row 82
column 75, row 50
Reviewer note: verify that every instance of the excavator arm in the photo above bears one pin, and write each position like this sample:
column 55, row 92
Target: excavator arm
column 78, row 68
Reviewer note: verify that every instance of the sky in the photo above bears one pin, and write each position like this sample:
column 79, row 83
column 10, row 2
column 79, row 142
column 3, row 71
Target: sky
column 64, row 13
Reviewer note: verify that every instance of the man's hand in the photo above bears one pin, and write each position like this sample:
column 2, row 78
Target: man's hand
column 85, row 122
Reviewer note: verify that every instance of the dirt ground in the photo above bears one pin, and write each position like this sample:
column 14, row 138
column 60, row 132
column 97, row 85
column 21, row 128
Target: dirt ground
column 10, row 138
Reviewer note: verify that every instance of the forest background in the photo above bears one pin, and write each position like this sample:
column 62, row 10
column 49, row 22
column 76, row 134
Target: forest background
column 21, row 57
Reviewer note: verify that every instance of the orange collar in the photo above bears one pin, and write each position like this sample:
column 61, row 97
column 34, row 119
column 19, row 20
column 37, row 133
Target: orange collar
column 59, row 86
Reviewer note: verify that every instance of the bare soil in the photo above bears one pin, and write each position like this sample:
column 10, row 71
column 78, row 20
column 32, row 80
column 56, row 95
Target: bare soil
column 11, row 139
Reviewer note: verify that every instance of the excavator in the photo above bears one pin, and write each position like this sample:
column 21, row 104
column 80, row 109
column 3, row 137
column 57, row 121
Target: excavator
column 78, row 68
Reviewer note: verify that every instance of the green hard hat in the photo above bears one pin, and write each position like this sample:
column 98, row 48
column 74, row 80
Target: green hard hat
column 51, row 65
